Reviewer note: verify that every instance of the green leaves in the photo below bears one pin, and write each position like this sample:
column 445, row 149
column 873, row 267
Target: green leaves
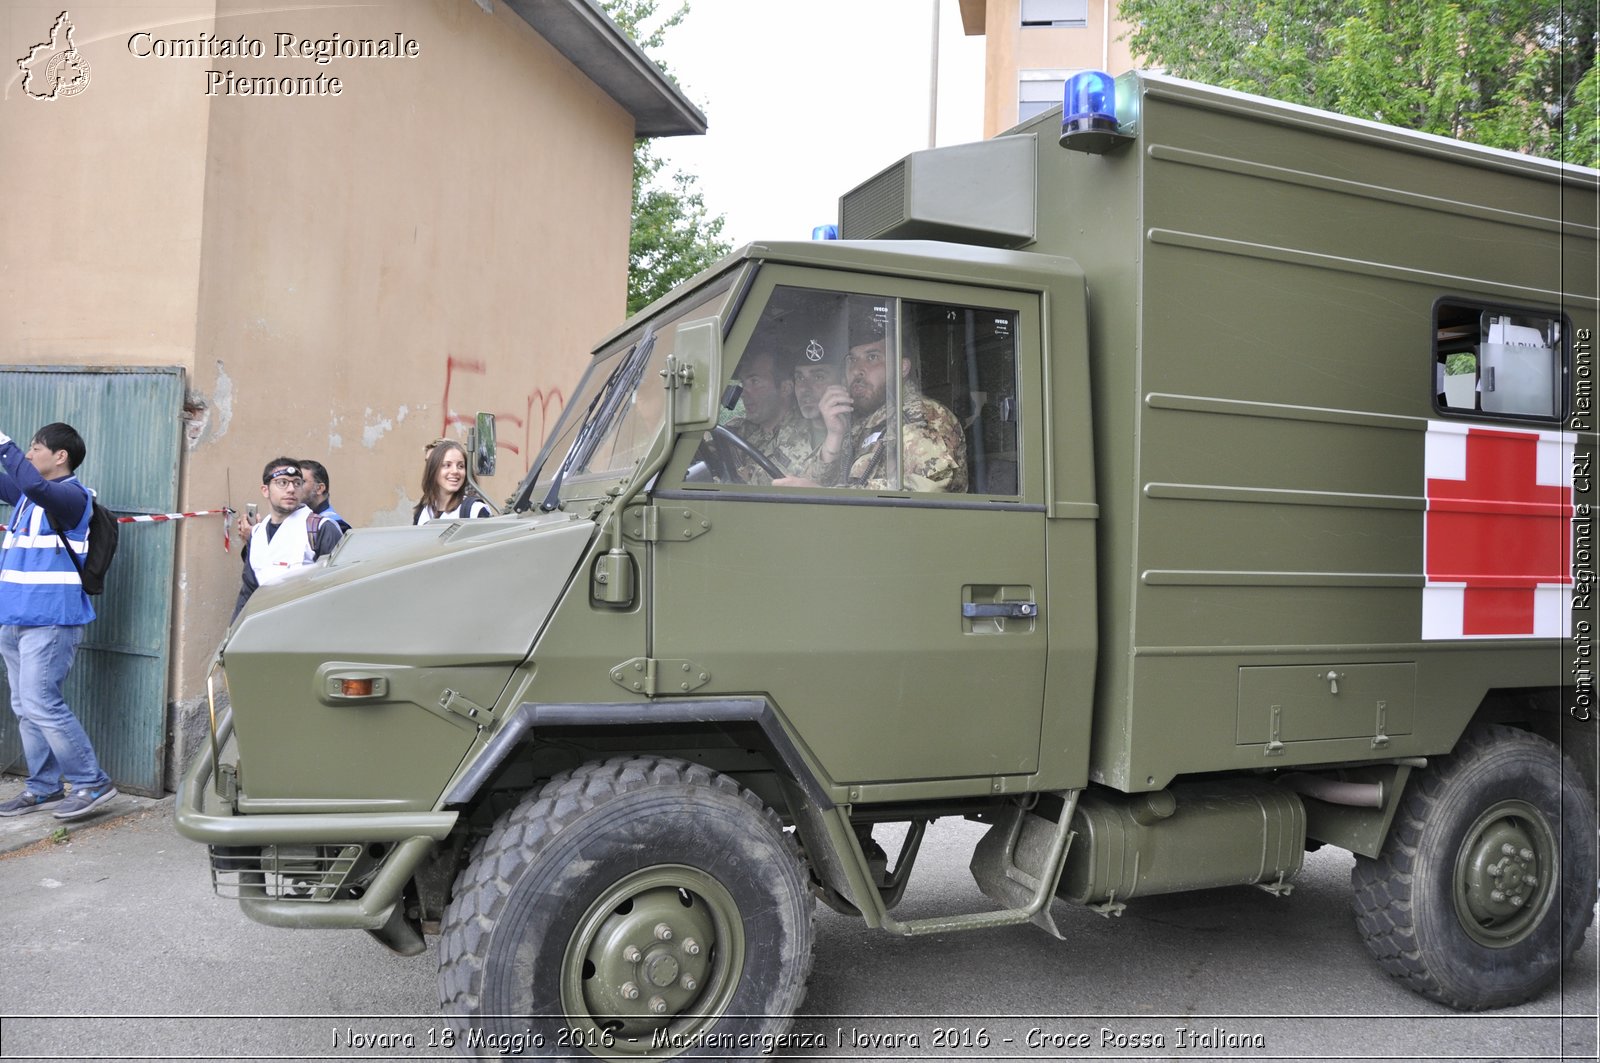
column 674, row 236
column 637, row 18
column 1513, row 74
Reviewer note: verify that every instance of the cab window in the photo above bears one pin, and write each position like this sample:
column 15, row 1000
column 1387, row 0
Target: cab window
column 871, row 393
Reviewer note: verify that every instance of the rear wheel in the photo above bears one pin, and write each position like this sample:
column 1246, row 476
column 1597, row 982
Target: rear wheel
column 1486, row 884
column 637, row 907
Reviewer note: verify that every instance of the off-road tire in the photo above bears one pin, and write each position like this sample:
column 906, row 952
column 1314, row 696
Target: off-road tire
column 1427, row 906
column 564, row 880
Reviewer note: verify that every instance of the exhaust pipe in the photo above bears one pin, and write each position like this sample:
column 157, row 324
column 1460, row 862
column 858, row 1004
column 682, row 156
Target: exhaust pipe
column 1335, row 791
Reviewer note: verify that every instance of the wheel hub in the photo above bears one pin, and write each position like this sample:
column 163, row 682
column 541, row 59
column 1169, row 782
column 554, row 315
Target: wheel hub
column 1503, row 874
column 662, row 970
column 641, row 955
column 660, row 950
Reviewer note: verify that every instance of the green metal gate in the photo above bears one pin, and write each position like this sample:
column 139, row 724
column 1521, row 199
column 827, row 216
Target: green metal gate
column 131, row 420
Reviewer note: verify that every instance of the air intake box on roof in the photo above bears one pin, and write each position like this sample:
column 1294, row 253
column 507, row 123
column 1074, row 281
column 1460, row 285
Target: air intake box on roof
column 980, row 193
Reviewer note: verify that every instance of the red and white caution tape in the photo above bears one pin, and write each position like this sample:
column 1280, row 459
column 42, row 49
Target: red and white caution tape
column 156, row 518
column 170, row 516
column 225, row 511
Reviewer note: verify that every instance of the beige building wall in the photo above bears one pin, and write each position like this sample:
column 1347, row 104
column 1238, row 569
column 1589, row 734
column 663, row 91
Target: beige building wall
column 100, row 196
column 1013, row 52
column 341, row 276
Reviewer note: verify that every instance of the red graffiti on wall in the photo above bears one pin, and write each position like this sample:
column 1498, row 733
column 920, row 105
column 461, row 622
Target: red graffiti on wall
column 546, row 401
column 452, row 365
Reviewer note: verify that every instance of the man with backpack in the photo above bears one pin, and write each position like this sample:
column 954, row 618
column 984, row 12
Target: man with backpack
column 290, row 537
column 43, row 610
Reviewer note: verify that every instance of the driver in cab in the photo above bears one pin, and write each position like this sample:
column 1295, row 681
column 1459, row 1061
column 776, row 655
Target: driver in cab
column 771, row 425
column 859, row 448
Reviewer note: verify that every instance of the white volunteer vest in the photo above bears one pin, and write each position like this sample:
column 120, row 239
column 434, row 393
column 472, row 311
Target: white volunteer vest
column 290, row 548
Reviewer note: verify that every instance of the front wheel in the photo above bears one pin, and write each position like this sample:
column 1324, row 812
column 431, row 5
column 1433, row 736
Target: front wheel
column 634, row 908
column 1486, row 883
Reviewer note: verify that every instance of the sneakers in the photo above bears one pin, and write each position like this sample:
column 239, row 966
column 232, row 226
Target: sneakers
column 28, row 801
column 82, row 802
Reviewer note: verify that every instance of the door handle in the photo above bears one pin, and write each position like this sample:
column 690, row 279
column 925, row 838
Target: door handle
column 993, row 610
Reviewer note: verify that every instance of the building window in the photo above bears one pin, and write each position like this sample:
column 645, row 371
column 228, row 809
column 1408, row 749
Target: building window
column 1073, row 14
column 1038, row 91
column 1498, row 361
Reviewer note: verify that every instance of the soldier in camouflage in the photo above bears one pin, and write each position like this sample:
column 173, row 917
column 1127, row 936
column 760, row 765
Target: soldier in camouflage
column 816, row 370
column 771, row 423
column 858, row 450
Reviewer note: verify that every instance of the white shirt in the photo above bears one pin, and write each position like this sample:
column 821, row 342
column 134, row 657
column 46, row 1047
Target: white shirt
column 289, row 549
column 474, row 506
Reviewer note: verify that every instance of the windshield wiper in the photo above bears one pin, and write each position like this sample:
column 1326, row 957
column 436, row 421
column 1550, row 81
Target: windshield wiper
column 597, row 418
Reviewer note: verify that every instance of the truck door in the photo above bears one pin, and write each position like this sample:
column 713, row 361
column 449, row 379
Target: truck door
column 891, row 602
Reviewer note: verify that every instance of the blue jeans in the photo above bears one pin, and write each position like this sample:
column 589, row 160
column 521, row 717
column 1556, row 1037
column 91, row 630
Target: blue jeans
column 37, row 660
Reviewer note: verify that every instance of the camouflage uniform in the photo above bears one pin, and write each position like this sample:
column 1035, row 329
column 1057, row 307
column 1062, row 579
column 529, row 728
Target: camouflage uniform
column 931, row 441
column 788, row 446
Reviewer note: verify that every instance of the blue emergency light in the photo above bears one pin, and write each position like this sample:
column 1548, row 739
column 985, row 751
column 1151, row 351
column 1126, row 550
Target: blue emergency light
column 1089, row 119
column 1089, row 102
column 825, row 232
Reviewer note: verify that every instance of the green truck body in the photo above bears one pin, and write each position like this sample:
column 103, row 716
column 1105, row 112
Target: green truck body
column 1277, row 451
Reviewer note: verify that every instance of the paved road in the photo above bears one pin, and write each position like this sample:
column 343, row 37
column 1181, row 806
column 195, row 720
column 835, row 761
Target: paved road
column 116, row 933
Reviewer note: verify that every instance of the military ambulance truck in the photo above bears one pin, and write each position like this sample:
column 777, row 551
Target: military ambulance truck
column 1218, row 485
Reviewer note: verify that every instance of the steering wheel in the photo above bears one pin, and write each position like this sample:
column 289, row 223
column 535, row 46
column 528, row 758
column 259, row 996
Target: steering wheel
column 723, row 438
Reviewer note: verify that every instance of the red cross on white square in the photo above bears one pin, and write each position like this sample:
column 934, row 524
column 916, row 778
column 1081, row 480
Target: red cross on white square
column 1497, row 539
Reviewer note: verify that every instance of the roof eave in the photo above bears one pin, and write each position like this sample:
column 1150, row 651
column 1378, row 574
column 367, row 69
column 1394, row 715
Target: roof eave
column 581, row 32
column 973, row 16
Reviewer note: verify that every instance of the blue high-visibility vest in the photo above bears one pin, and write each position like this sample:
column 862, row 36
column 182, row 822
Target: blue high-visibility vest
column 39, row 586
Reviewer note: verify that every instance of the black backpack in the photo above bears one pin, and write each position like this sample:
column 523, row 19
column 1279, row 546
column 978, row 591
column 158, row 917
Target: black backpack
column 102, row 547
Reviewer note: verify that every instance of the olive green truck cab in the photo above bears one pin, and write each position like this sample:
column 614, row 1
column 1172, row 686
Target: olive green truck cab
column 1217, row 484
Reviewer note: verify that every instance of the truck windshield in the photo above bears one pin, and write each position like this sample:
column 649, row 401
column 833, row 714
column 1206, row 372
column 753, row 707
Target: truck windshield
column 618, row 410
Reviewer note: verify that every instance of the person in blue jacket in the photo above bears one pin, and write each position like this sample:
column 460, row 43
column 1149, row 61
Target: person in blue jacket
column 43, row 610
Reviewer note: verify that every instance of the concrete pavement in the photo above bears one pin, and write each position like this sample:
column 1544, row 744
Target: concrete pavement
column 20, row 832
column 117, row 948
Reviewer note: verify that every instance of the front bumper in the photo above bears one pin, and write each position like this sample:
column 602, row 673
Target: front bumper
column 322, row 870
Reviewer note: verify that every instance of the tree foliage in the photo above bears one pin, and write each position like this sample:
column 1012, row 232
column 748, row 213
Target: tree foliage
column 674, row 235
column 1514, row 74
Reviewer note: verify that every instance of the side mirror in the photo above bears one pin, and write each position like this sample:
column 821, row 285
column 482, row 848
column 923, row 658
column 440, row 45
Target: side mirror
column 697, row 352
column 481, row 445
